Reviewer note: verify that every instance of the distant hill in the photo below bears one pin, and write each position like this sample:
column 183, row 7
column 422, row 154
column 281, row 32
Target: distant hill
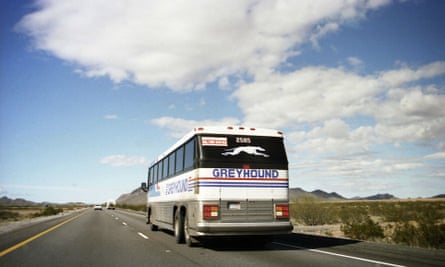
column 379, row 197
column 136, row 197
column 139, row 197
column 320, row 194
column 18, row 202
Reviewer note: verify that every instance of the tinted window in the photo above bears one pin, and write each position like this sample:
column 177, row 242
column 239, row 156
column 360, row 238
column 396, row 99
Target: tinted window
column 242, row 152
column 189, row 154
column 160, row 164
column 171, row 164
column 180, row 159
column 150, row 176
column 165, row 168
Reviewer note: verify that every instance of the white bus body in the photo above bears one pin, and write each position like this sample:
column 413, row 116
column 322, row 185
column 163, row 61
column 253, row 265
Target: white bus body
column 221, row 181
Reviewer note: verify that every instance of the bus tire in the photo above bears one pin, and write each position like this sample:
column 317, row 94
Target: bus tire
column 179, row 227
column 153, row 227
column 187, row 237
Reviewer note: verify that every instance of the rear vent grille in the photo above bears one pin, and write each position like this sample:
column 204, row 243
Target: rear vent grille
column 247, row 211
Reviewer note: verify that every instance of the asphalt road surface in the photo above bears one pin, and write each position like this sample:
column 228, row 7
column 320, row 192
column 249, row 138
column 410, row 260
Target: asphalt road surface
column 120, row 238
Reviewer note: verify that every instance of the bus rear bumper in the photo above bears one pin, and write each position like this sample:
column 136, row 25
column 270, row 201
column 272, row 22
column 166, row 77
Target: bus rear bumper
column 235, row 229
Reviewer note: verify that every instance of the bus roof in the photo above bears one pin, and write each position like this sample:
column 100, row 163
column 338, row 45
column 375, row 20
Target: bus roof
column 223, row 130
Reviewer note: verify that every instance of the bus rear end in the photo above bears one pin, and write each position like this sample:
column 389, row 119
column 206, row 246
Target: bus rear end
column 241, row 184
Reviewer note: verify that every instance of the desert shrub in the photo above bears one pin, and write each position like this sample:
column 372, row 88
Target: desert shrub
column 9, row 215
column 428, row 214
column 353, row 214
column 366, row 230
column 48, row 211
column 312, row 211
column 423, row 235
column 411, row 211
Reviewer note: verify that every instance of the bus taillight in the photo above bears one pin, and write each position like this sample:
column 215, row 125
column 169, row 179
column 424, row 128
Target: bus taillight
column 282, row 211
column 210, row 211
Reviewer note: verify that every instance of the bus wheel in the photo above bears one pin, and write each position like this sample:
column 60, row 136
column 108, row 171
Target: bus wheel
column 148, row 217
column 153, row 227
column 179, row 227
column 188, row 239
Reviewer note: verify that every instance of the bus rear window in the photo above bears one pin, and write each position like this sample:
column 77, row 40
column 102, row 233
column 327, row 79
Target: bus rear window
column 242, row 152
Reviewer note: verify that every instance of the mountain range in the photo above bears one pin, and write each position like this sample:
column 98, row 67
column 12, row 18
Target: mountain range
column 21, row 202
column 295, row 193
column 139, row 197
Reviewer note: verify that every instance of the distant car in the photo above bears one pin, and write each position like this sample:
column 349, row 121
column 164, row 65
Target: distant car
column 98, row 207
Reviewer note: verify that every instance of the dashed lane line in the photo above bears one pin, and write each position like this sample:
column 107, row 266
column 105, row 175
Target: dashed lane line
column 142, row 235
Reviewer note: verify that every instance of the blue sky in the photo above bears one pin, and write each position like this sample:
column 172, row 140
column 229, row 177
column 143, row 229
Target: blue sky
column 92, row 92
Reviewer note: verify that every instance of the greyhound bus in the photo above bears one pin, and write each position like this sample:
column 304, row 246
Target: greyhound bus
column 220, row 181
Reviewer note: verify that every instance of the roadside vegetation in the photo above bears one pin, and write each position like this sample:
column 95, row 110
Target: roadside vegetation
column 410, row 222
column 142, row 207
column 10, row 213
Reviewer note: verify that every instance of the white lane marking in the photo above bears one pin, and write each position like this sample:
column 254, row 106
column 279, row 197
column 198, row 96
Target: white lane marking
column 341, row 255
column 124, row 223
column 117, row 218
column 142, row 235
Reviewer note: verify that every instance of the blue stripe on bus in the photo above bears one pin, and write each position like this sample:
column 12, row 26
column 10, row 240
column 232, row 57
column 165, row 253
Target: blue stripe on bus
column 242, row 184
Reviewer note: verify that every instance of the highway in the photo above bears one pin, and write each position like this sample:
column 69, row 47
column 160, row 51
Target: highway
column 121, row 238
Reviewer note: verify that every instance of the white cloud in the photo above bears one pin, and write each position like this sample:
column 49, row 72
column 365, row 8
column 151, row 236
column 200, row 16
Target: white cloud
column 124, row 160
column 406, row 74
column 358, row 176
column 438, row 155
column 307, row 95
column 320, row 95
column 111, row 117
column 179, row 127
column 355, row 62
column 321, row 31
column 183, row 44
column 335, row 137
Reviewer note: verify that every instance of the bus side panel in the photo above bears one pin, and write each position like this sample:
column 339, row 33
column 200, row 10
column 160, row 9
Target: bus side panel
column 165, row 195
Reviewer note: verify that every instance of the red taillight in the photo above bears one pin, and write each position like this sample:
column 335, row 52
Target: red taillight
column 210, row 212
column 282, row 211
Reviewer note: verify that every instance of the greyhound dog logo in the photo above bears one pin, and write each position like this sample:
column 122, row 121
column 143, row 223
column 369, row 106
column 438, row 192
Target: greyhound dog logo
column 251, row 150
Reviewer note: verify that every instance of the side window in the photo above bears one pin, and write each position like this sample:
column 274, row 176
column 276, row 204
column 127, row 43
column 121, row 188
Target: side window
column 179, row 159
column 165, row 168
column 189, row 154
column 160, row 164
column 150, row 176
column 171, row 164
